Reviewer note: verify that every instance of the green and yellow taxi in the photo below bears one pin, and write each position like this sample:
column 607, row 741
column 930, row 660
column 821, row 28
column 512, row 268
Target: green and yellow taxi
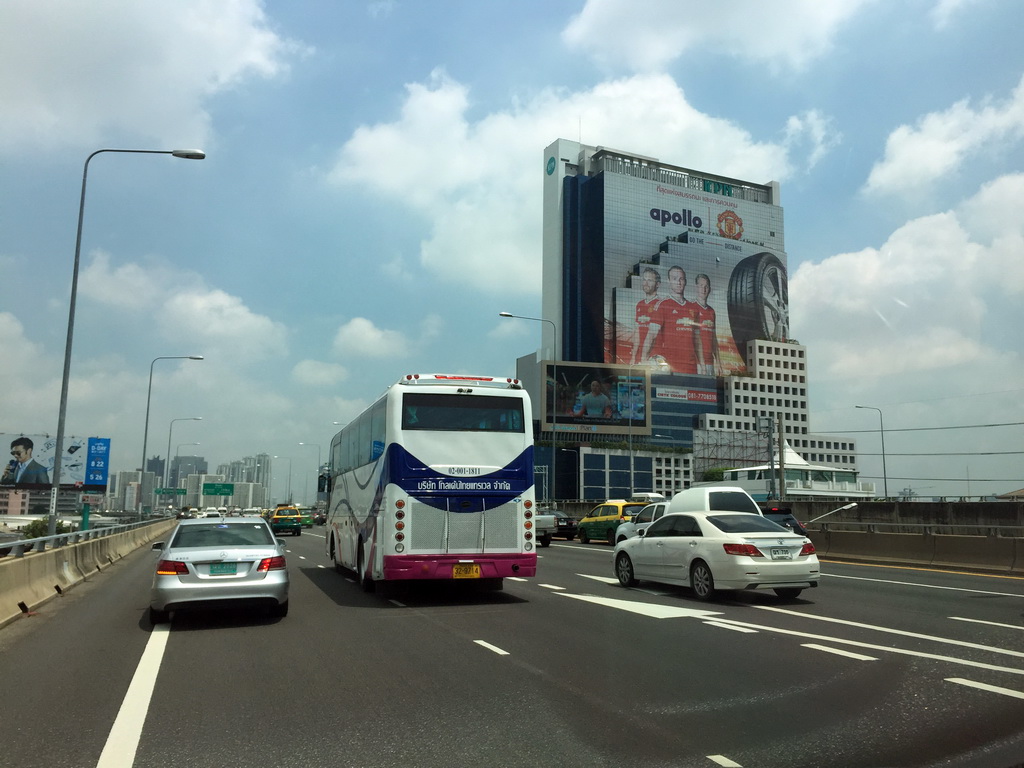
column 601, row 522
column 286, row 520
column 307, row 517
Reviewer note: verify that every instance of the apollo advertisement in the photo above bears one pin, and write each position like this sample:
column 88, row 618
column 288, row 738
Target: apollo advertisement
column 590, row 397
column 690, row 276
column 85, row 462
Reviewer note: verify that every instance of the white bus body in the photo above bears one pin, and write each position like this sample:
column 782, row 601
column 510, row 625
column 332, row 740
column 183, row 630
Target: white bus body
column 435, row 481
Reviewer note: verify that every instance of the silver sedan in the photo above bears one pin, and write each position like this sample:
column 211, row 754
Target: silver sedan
column 709, row 551
column 224, row 562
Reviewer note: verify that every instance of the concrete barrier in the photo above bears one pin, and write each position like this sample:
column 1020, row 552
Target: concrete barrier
column 28, row 582
column 990, row 553
column 993, row 554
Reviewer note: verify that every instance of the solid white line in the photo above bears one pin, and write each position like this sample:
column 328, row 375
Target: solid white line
column 515, row 578
column 723, row 761
column 123, row 740
column 551, row 586
column 984, row 687
column 602, row 579
column 490, row 647
column 730, row 626
column 923, row 586
column 838, row 652
column 987, row 623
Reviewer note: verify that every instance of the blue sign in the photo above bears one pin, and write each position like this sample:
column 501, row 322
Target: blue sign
column 98, row 462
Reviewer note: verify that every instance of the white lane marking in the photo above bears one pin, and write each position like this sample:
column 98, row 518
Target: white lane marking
column 123, row 740
column 602, row 579
column 515, row 578
column 839, row 652
column 551, row 586
column 302, row 557
column 984, row 687
column 723, row 761
column 734, row 628
column 645, row 609
column 888, row 630
column 490, row 647
column 321, row 566
column 987, row 623
column 395, row 602
column 923, row 586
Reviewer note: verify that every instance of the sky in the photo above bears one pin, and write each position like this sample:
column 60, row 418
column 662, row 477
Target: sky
column 371, row 200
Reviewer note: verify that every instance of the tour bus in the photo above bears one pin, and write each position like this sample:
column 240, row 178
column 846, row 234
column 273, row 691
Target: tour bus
column 435, row 481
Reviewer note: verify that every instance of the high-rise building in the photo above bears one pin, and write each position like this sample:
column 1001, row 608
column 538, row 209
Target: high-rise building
column 182, row 467
column 666, row 305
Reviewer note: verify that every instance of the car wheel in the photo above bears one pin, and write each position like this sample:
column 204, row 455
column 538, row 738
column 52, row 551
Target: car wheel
column 702, row 582
column 158, row 617
column 545, row 540
column 610, row 537
column 788, row 593
column 584, row 538
column 334, row 559
column 624, row 570
column 298, row 532
column 280, row 610
column 758, row 300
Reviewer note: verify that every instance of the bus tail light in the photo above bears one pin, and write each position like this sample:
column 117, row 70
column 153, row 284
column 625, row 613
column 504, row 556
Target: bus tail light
column 399, row 526
column 528, row 524
column 399, row 536
column 528, row 504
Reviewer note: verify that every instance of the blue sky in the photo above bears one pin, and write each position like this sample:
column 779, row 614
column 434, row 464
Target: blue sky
column 371, row 200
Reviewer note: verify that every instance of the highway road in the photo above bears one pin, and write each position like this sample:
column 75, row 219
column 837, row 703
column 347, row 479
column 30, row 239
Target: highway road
column 878, row 667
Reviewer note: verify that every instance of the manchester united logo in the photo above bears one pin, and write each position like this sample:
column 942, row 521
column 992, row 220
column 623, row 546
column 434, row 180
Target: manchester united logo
column 730, row 225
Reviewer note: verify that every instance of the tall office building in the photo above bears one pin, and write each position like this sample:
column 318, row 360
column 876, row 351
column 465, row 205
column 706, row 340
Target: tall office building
column 182, row 467
column 665, row 296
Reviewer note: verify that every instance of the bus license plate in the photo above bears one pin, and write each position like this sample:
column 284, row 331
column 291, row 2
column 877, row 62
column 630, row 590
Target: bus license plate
column 223, row 569
column 466, row 571
column 781, row 554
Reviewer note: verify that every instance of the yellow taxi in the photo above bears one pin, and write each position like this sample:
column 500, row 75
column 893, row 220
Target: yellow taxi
column 286, row 519
column 601, row 522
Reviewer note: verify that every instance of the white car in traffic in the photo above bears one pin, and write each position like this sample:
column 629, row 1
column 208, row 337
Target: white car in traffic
column 711, row 551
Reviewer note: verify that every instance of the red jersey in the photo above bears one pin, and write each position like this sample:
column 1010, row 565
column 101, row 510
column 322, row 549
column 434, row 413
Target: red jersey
column 646, row 310
column 676, row 340
column 705, row 319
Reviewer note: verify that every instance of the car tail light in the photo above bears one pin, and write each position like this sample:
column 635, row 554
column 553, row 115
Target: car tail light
column 742, row 549
column 808, row 549
column 275, row 563
column 171, row 568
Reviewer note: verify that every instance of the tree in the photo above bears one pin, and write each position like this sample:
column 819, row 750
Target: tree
column 713, row 475
column 39, row 528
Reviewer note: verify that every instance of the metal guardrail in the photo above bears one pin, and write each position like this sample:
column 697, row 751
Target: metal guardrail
column 927, row 529
column 19, row 547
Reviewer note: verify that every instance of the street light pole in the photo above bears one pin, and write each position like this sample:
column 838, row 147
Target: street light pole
column 288, row 490
column 318, row 455
column 553, row 489
column 171, row 430
column 149, row 395
column 881, row 432
column 58, row 448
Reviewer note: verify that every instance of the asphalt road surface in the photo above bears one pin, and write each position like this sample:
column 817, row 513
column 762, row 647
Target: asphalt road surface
column 877, row 668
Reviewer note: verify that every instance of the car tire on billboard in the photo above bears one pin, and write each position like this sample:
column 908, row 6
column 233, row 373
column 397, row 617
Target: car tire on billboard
column 758, row 300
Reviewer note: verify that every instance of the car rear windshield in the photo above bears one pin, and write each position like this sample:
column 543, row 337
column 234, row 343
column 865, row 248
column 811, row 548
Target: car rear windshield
column 222, row 535
column 732, row 501
column 745, row 524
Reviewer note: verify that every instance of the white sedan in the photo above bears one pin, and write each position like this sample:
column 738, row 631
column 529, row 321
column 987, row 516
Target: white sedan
column 708, row 551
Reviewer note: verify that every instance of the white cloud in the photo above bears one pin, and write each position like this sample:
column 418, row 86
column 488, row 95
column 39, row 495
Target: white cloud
column 76, row 89
column 941, row 142
column 646, row 37
column 815, row 130
column 220, row 325
column 433, row 160
column 314, row 373
column 128, row 286
column 360, row 338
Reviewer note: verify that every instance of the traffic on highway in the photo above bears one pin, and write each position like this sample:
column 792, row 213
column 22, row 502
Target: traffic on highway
column 877, row 666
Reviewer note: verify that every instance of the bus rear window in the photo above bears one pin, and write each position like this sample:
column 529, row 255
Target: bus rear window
column 461, row 413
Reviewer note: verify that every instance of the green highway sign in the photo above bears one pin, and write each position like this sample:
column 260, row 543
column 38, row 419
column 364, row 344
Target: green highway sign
column 218, row 489
column 170, row 491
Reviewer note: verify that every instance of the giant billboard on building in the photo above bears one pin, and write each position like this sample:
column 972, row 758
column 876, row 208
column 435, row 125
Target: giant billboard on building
column 691, row 274
column 85, row 462
column 594, row 398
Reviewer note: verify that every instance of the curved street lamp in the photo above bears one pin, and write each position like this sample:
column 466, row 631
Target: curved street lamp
column 551, row 490
column 288, row 489
column 58, row 448
column 145, row 432
column 170, row 430
column 881, row 433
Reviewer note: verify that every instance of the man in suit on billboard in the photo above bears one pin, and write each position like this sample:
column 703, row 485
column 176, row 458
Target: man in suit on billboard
column 23, row 469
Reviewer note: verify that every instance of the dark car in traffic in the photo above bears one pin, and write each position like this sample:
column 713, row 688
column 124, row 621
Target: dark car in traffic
column 567, row 525
column 784, row 517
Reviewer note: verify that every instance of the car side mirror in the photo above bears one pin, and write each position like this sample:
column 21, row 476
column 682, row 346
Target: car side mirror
column 642, row 532
column 158, row 545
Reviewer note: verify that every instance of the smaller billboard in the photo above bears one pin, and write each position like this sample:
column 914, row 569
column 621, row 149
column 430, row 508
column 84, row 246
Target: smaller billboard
column 597, row 398
column 85, row 462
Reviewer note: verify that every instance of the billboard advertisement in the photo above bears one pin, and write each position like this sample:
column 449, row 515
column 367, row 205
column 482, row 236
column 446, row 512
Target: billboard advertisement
column 690, row 276
column 590, row 397
column 85, row 462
